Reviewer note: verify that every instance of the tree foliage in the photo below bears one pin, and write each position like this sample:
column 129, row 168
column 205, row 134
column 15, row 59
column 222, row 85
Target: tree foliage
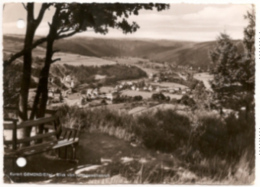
column 68, row 19
column 226, row 59
column 231, row 66
column 249, row 43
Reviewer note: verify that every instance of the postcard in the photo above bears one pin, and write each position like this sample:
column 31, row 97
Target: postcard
column 129, row 92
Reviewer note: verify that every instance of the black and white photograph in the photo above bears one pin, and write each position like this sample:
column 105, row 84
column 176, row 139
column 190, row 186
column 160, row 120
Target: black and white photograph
column 128, row 93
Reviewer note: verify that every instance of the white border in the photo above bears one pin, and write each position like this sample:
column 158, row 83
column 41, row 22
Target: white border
column 257, row 47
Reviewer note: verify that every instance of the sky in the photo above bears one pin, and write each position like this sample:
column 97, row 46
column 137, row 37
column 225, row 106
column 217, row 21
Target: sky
column 191, row 22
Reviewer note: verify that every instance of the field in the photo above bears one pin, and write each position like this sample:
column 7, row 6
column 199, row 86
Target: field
column 152, row 110
column 170, row 85
column 78, row 60
column 132, row 93
column 106, row 89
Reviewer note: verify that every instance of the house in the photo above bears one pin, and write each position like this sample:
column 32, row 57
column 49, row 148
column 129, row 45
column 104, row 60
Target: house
column 133, row 87
column 150, row 88
column 68, row 78
column 157, row 79
column 117, row 87
column 72, row 84
column 96, row 91
column 93, row 96
column 129, row 83
column 111, row 96
column 188, row 90
column 89, row 91
column 50, row 94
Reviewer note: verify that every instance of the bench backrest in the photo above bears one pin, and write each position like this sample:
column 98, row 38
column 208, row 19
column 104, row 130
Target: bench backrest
column 70, row 133
column 15, row 128
column 12, row 112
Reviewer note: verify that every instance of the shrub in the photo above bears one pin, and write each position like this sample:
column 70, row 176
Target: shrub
column 241, row 134
column 229, row 138
column 158, row 97
column 186, row 100
column 210, row 136
column 138, row 98
column 164, row 131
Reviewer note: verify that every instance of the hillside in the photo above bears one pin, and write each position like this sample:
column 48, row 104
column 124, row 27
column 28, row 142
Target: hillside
column 179, row 52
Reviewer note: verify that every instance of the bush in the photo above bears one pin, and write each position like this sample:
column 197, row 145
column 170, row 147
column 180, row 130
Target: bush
column 241, row 134
column 215, row 148
column 210, row 136
column 186, row 100
column 164, row 131
column 158, row 97
column 230, row 138
column 138, row 98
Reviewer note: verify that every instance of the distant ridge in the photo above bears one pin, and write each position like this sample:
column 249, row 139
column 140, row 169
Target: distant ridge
column 171, row 51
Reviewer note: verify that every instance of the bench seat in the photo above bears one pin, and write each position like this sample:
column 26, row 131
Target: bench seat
column 30, row 150
column 62, row 143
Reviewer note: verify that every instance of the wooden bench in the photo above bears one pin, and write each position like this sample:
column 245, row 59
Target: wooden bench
column 68, row 138
column 13, row 144
column 54, row 137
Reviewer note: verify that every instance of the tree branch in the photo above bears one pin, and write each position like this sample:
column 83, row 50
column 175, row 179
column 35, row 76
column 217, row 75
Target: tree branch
column 44, row 7
column 63, row 30
column 20, row 53
column 55, row 60
column 24, row 6
column 67, row 35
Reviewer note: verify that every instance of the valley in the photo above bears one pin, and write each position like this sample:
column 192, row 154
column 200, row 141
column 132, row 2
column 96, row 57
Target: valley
column 146, row 109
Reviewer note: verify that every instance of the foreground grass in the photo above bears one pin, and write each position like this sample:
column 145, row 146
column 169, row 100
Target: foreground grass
column 212, row 150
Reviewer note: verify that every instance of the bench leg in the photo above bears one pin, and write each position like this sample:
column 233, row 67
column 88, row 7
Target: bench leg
column 66, row 150
column 73, row 152
column 59, row 153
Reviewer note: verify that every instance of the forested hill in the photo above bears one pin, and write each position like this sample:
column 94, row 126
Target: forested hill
column 179, row 52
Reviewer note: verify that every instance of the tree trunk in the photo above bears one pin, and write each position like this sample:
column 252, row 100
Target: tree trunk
column 31, row 26
column 43, row 85
column 41, row 98
column 26, row 77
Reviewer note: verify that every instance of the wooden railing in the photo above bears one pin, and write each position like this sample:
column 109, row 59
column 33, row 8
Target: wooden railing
column 11, row 124
column 54, row 135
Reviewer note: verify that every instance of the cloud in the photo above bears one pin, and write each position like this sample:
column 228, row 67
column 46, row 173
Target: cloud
column 232, row 15
column 181, row 21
